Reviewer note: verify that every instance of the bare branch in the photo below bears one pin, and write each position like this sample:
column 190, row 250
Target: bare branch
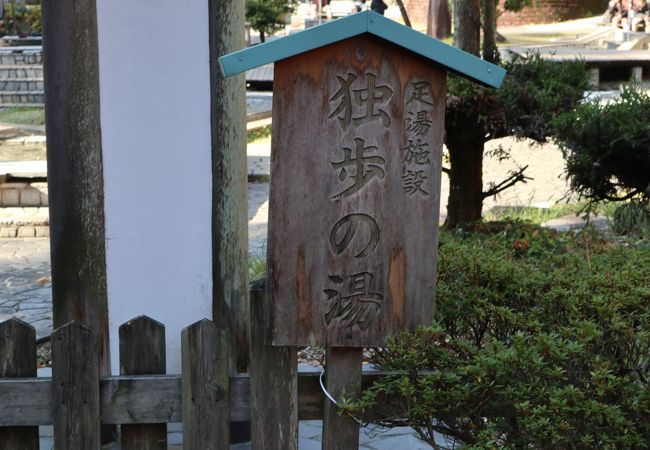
column 514, row 178
column 446, row 170
column 611, row 198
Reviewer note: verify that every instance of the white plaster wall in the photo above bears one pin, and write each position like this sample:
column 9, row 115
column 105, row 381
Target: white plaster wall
column 155, row 120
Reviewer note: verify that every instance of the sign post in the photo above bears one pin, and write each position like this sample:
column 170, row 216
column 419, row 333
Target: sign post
column 358, row 125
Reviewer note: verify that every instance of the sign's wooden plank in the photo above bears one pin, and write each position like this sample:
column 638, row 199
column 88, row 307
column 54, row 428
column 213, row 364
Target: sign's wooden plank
column 355, row 193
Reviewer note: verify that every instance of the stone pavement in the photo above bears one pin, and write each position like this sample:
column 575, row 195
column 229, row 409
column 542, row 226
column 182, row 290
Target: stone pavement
column 25, row 289
column 310, row 431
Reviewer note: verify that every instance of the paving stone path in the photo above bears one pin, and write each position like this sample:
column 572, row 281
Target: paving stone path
column 25, row 288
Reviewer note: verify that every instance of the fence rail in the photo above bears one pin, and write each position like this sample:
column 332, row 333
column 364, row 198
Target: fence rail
column 205, row 398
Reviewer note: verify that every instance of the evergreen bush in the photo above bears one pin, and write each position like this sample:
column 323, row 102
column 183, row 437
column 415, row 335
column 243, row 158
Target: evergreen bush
column 541, row 340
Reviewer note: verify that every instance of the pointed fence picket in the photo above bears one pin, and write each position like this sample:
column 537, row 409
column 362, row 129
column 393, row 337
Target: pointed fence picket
column 205, row 398
column 17, row 359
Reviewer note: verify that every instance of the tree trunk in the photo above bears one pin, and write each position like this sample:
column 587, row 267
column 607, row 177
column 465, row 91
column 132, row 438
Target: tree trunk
column 75, row 171
column 466, row 178
column 465, row 142
column 262, row 37
column 405, row 16
column 439, row 19
column 467, row 25
column 229, row 182
column 490, row 52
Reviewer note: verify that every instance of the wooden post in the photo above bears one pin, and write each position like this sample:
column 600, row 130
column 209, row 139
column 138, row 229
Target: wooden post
column 342, row 378
column 142, row 352
column 229, row 188
column 274, row 381
column 74, row 167
column 17, row 360
column 205, row 386
column 75, row 381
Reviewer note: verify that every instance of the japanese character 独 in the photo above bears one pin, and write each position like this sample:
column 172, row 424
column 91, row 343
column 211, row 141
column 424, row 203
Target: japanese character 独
column 366, row 101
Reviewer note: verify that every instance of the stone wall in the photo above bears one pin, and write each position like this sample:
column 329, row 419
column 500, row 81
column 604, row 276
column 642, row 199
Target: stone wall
column 546, row 11
column 542, row 11
column 418, row 11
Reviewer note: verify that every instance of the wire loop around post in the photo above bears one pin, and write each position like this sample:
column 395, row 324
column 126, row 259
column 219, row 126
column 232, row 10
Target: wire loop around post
column 333, row 400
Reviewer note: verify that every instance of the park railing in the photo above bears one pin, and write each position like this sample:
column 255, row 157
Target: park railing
column 205, row 397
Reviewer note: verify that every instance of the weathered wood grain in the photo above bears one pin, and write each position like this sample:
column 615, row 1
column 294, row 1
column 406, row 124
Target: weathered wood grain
column 141, row 399
column 274, row 382
column 355, row 193
column 75, row 383
column 17, row 359
column 146, row 399
column 26, row 402
column 229, row 181
column 75, row 172
column 342, row 379
column 205, row 386
column 142, row 352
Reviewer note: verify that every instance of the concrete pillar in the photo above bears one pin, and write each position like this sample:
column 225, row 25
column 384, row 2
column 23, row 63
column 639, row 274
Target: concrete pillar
column 154, row 62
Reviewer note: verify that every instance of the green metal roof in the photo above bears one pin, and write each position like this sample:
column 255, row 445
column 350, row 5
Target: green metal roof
column 455, row 60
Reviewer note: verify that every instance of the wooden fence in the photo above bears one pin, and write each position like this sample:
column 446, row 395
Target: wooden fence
column 142, row 400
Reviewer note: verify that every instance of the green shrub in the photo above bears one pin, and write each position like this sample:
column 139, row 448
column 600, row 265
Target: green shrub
column 541, row 341
column 21, row 20
column 258, row 133
column 26, row 115
column 607, row 147
column 632, row 219
column 256, row 268
column 533, row 92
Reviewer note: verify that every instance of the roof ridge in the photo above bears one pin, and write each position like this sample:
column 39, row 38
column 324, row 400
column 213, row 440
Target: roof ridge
column 454, row 59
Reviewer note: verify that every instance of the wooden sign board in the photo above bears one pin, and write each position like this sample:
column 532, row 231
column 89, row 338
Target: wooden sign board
column 355, row 191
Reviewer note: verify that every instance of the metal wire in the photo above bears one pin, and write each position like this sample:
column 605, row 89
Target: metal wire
column 333, row 400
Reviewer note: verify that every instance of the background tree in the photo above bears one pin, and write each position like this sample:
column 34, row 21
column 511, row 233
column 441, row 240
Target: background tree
column 492, row 113
column 467, row 25
column 607, row 151
column 607, row 147
column 268, row 16
column 490, row 16
column 533, row 92
column 439, row 19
